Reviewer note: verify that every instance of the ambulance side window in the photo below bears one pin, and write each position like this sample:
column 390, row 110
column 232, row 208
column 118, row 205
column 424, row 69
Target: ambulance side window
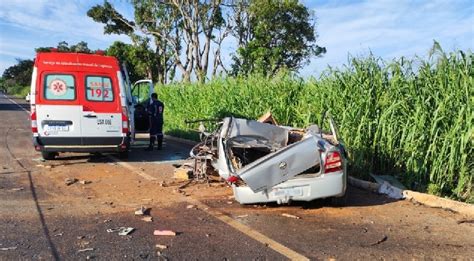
column 99, row 88
column 59, row 87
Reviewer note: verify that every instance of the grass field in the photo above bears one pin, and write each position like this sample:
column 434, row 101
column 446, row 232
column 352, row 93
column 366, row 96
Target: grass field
column 409, row 118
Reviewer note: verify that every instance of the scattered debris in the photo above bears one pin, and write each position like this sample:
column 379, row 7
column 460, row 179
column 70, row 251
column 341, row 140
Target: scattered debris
column 8, row 248
column 142, row 211
column 126, row 231
column 268, row 118
column 470, row 221
column 70, row 181
column 183, row 173
column 122, row 231
column 208, row 235
column 242, row 216
column 161, row 246
column 190, row 206
column 147, row 219
column 229, row 202
column 80, row 237
column 383, row 239
column 164, row 233
column 391, row 191
column 85, row 182
column 107, row 220
column 58, row 234
column 17, row 189
column 85, row 250
column 290, row 216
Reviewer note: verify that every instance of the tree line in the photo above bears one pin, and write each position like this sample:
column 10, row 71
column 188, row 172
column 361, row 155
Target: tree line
column 182, row 39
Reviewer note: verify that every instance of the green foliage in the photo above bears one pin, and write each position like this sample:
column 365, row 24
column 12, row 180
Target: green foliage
column 409, row 118
column 281, row 36
column 17, row 76
column 136, row 58
column 63, row 46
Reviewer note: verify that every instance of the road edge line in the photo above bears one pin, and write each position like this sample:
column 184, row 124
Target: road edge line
column 25, row 110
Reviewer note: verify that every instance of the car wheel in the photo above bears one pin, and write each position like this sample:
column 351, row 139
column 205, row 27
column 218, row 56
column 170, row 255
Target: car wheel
column 48, row 155
column 340, row 201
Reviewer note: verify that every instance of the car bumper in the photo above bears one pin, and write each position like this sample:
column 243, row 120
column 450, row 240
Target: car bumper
column 81, row 144
column 296, row 189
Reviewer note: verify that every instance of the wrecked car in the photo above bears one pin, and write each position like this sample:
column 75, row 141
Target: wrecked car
column 270, row 163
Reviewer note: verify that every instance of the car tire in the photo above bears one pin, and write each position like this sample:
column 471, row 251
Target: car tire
column 340, row 201
column 48, row 155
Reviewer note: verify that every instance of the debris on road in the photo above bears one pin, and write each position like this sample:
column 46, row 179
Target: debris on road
column 383, row 239
column 85, row 182
column 470, row 221
column 17, row 189
column 164, row 233
column 391, row 191
column 161, row 246
column 147, row 219
column 107, row 220
column 85, row 250
column 242, row 216
column 142, row 211
column 70, row 181
column 290, row 216
column 8, row 248
column 184, row 172
column 190, row 206
column 122, row 231
column 58, row 234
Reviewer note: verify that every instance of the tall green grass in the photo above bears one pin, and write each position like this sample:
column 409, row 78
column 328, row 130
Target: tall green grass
column 409, row 118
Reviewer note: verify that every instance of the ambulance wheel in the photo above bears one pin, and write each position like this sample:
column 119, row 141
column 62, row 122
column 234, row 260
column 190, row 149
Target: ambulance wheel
column 48, row 155
column 123, row 154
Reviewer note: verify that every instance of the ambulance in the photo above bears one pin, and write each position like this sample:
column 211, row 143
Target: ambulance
column 81, row 103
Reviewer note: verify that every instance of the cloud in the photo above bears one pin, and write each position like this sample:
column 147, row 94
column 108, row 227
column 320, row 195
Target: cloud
column 390, row 29
column 28, row 24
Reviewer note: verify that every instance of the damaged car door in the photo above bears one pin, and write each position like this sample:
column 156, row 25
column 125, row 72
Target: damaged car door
column 261, row 156
column 281, row 165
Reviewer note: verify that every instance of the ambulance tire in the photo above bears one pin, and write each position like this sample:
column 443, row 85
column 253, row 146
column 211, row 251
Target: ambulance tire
column 123, row 154
column 48, row 155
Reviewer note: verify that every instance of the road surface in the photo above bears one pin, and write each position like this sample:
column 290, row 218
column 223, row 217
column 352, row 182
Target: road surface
column 42, row 218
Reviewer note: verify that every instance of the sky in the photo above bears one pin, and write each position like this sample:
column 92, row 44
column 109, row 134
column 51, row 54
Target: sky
column 386, row 28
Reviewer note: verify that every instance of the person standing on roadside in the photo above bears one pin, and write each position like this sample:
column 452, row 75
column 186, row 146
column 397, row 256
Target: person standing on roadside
column 155, row 113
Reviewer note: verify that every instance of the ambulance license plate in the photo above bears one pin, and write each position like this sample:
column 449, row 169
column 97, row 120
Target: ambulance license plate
column 57, row 127
column 288, row 192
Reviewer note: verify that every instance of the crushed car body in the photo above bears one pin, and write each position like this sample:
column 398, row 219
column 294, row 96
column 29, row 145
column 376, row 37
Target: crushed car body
column 271, row 163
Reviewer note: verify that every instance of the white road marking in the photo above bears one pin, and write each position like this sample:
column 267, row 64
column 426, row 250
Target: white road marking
column 28, row 112
column 132, row 168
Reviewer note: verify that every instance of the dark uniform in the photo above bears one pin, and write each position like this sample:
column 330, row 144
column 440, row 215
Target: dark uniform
column 155, row 112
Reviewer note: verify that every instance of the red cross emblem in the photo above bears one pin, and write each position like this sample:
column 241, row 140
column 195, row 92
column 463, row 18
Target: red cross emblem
column 58, row 87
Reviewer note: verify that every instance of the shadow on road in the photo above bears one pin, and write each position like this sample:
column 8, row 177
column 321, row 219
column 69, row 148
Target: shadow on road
column 14, row 107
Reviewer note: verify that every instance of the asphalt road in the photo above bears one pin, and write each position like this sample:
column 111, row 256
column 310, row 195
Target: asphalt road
column 43, row 218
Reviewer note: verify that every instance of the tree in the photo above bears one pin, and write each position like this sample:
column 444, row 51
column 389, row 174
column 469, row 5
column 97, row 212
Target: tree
column 182, row 31
column 272, row 35
column 18, row 75
column 137, row 60
column 63, row 46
